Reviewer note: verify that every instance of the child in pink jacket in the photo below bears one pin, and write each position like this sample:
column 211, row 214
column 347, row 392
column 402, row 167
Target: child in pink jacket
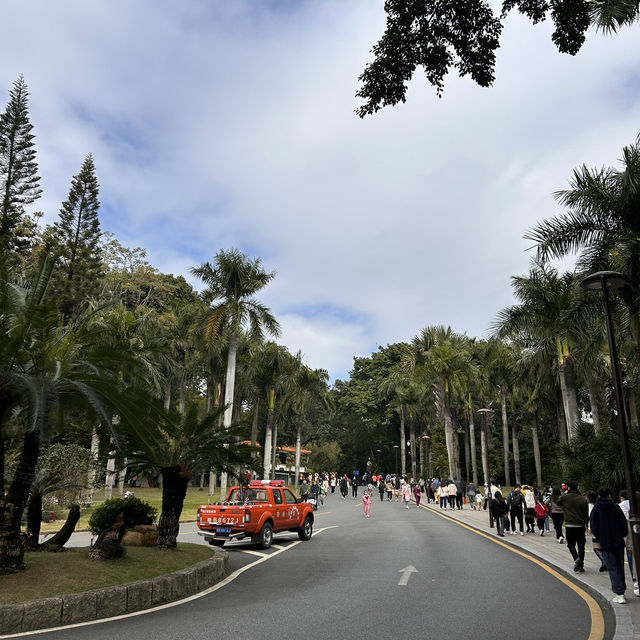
column 366, row 501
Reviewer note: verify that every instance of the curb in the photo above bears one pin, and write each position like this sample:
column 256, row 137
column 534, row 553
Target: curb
column 96, row 604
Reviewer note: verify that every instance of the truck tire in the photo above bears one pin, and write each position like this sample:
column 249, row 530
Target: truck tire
column 265, row 537
column 306, row 530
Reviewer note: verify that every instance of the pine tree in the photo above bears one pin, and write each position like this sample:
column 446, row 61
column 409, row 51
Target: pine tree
column 19, row 181
column 77, row 234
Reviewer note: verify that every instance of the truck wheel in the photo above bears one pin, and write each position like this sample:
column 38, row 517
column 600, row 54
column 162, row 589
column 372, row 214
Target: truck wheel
column 217, row 543
column 265, row 537
column 305, row 531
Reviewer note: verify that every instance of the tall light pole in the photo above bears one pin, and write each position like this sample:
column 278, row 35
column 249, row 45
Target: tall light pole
column 604, row 281
column 487, row 477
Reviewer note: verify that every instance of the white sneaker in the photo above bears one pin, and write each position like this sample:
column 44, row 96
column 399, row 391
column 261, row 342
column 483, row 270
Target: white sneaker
column 619, row 599
column 522, row 533
column 636, row 592
column 561, row 539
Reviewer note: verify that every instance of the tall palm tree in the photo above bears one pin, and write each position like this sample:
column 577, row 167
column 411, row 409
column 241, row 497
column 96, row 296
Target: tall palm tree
column 540, row 322
column 231, row 283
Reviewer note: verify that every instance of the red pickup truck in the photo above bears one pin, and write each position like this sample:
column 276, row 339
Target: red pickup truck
column 258, row 510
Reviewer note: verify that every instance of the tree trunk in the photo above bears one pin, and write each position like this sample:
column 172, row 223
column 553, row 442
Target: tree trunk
column 403, row 444
column 13, row 504
column 536, row 450
column 569, row 397
column 91, row 476
column 254, row 424
column 516, row 451
column 633, row 411
column 466, row 455
column 412, row 449
column 274, row 449
column 472, row 444
column 448, row 436
column 505, row 437
column 34, row 520
column 298, row 449
column 229, row 389
column 595, row 409
column 268, row 436
column 174, row 491
column 62, row 537
column 484, row 454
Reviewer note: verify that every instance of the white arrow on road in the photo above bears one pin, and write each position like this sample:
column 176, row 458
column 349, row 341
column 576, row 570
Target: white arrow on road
column 406, row 574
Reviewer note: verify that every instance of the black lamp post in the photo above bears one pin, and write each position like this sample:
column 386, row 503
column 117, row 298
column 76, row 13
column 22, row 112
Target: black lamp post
column 604, row 281
column 487, row 479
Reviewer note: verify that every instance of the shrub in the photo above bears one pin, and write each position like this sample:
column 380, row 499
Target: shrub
column 134, row 512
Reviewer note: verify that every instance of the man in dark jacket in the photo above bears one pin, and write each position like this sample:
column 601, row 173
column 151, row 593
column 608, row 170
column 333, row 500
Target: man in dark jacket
column 576, row 518
column 609, row 527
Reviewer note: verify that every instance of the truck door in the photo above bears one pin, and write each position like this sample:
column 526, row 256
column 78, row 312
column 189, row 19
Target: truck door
column 293, row 511
column 281, row 518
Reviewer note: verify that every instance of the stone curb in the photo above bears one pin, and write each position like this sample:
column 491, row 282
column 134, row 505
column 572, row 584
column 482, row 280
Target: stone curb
column 113, row 601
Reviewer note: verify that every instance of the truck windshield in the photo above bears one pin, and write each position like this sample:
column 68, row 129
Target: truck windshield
column 248, row 495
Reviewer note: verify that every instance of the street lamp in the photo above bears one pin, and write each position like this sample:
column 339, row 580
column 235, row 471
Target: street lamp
column 396, row 447
column 604, row 281
column 487, row 477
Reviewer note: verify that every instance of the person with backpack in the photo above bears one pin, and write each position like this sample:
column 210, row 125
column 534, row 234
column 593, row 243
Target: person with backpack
column 541, row 510
column 499, row 509
column 515, row 504
column 576, row 518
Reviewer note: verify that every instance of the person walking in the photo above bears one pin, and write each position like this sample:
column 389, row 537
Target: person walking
column 609, row 527
column 515, row 504
column 471, row 494
column 354, row 486
column 557, row 514
column 366, row 501
column 417, row 495
column 541, row 510
column 499, row 510
column 406, row 493
column 381, row 488
column 304, row 490
column 344, row 486
column 529, row 508
column 576, row 518
column 442, row 496
column 452, row 491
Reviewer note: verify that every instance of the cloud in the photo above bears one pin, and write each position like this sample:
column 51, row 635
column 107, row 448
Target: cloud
column 219, row 125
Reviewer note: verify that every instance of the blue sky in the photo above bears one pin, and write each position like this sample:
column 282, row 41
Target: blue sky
column 230, row 124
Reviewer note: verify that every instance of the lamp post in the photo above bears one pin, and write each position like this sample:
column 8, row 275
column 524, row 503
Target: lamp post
column 487, row 479
column 604, row 281
column 396, row 447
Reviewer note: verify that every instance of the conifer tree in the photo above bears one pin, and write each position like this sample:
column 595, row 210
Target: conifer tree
column 77, row 235
column 19, row 180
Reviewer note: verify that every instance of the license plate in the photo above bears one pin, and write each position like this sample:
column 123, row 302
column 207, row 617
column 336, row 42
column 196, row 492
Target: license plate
column 223, row 530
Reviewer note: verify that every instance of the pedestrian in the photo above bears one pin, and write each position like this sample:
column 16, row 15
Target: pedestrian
column 406, row 493
column 304, row 490
column 478, row 501
column 344, row 486
column 541, row 511
column 388, row 487
column 354, row 486
column 366, row 501
column 332, row 482
column 313, row 493
column 515, row 504
column 471, row 494
column 529, row 508
column 624, row 505
column 592, row 498
column 557, row 514
column 416, row 495
column 461, row 487
column 381, row 488
column 609, row 526
column 499, row 510
column 452, row 492
column 442, row 495
column 396, row 487
column 576, row 518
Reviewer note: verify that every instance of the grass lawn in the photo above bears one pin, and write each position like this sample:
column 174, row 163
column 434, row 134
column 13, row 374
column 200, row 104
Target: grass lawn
column 194, row 499
column 55, row 574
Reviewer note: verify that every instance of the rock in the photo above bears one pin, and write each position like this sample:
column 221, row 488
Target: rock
column 143, row 535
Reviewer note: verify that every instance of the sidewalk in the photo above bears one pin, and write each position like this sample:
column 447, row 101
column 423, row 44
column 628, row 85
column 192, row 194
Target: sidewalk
column 548, row 549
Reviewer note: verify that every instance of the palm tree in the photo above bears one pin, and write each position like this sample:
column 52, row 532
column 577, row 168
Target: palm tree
column 181, row 445
column 230, row 284
column 540, row 322
column 443, row 356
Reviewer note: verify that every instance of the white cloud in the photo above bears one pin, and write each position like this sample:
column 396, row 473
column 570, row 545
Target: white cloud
column 231, row 124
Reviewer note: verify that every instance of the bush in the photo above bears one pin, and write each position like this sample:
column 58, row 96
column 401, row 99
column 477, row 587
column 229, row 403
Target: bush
column 134, row 512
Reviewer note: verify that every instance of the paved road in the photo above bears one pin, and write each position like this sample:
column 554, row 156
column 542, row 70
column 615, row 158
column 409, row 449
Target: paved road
column 348, row 582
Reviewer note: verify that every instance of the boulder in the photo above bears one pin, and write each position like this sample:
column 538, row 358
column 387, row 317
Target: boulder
column 143, row 535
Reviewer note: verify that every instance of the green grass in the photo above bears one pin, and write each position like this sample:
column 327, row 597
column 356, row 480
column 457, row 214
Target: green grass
column 194, row 499
column 55, row 574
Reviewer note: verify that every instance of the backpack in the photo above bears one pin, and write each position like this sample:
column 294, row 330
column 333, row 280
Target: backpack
column 516, row 500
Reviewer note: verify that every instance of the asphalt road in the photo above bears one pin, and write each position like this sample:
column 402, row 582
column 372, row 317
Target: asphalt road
column 355, row 578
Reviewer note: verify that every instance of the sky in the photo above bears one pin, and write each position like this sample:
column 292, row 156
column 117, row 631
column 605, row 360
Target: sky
column 224, row 124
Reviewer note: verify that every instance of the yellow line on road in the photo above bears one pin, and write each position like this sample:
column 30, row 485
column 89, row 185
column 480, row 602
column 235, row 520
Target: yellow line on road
column 597, row 619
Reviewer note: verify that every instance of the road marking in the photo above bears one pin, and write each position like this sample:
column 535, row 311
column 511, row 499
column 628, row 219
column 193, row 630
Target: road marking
column 597, row 619
column 253, row 553
column 406, row 574
column 223, row 583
